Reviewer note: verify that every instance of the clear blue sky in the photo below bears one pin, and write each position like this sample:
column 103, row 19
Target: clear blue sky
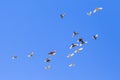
column 35, row 25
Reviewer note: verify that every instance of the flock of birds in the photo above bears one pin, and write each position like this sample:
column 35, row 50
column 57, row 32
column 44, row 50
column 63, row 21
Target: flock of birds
column 88, row 13
column 80, row 41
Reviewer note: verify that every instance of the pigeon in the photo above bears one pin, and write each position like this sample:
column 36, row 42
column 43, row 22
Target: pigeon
column 81, row 44
column 80, row 40
column 31, row 54
column 73, row 45
column 47, row 67
column 95, row 36
column 71, row 65
column 74, row 34
column 78, row 50
column 14, row 57
column 47, row 60
column 70, row 55
column 89, row 13
column 62, row 15
column 97, row 9
column 52, row 53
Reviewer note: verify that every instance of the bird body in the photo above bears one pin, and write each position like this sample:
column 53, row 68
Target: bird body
column 71, row 65
column 70, row 55
column 74, row 34
column 73, row 45
column 31, row 54
column 97, row 9
column 47, row 60
column 62, row 15
column 52, row 53
column 14, row 57
column 89, row 13
column 78, row 50
column 95, row 36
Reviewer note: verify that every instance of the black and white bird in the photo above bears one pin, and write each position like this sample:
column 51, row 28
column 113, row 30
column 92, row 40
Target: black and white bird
column 52, row 53
column 31, row 54
column 73, row 45
column 47, row 60
column 62, row 15
column 95, row 36
column 81, row 41
column 14, row 57
column 74, row 34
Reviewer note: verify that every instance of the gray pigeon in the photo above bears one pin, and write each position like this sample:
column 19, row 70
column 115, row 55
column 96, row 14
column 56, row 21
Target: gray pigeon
column 62, row 15
column 74, row 34
column 31, row 54
column 95, row 36
column 14, row 57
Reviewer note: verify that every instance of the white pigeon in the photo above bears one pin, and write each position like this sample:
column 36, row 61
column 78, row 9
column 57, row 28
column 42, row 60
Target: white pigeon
column 89, row 13
column 97, row 9
column 31, row 54
column 14, row 57
column 70, row 55
column 95, row 36
column 47, row 67
column 71, row 65
column 73, row 45
column 78, row 50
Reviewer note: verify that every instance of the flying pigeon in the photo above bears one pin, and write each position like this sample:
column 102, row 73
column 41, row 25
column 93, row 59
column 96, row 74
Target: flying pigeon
column 31, row 54
column 73, row 45
column 95, row 36
column 70, row 55
column 71, row 65
column 47, row 67
column 89, row 13
column 81, row 44
column 62, row 15
column 78, row 50
column 97, row 9
column 74, row 34
column 14, row 57
column 80, row 40
column 52, row 53
column 47, row 60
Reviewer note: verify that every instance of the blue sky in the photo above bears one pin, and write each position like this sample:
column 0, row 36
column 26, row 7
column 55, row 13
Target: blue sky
column 35, row 25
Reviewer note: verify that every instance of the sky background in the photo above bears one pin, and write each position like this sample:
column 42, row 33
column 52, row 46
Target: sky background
column 35, row 26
